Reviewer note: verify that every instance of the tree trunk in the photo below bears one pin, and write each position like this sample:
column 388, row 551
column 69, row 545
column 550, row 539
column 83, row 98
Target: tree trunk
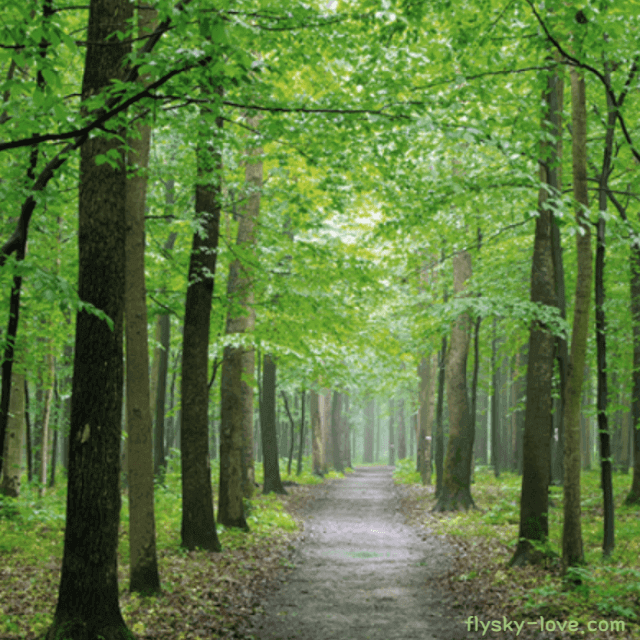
column 347, row 433
column 13, row 443
column 633, row 497
column 46, row 419
column 143, row 567
column 392, row 457
column 316, row 433
column 456, row 487
column 292, row 424
column 402, row 432
column 572, row 550
column 301, row 447
column 495, row 404
column 439, row 440
column 272, row 481
column 534, row 499
column 336, row 408
column 88, row 596
column 368, row 432
column 198, row 521
column 427, row 375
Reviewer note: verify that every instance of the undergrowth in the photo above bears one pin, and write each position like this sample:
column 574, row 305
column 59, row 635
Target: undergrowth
column 31, row 548
column 608, row 589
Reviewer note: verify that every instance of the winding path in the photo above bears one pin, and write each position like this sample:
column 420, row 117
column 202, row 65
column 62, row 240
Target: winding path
column 360, row 573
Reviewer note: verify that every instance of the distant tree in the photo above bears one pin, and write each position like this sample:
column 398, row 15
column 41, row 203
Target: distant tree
column 272, row 481
column 13, row 443
column 336, row 410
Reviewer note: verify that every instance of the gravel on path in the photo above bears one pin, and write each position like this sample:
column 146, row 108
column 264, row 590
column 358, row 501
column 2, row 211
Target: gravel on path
column 360, row 572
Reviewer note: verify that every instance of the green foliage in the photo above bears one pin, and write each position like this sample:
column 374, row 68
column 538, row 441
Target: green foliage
column 405, row 472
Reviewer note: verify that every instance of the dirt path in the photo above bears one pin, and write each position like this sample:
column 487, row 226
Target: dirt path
column 360, row 574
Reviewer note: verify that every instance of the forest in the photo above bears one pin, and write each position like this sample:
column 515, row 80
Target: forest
column 251, row 245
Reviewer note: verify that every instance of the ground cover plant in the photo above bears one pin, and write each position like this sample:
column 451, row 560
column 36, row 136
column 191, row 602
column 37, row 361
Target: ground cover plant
column 204, row 594
column 484, row 539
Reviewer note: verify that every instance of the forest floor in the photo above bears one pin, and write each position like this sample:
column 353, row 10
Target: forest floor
column 360, row 572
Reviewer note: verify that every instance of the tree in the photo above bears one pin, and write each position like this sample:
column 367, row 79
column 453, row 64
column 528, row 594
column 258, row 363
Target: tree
column 534, row 498
column 303, row 395
column 392, row 457
column 316, row 433
column 88, row 596
column 427, row 376
column 368, row 431
column 143, row 566
column 572, row 551
column 236, row 388
column 456, row 482
column 402, row 432
column 336, row 417
column 272, row 481
column 198, row 522
column 12, row 467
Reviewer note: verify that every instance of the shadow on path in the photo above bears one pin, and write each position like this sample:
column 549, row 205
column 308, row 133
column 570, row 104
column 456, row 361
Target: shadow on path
column 360, row 573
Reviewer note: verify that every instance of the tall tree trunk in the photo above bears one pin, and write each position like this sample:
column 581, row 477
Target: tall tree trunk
column 161, row 361
column 143, row 566
column 346, row 426
column 13, row 442
column 316, row 433
column 236, row 393
column 402, row 432
column 301, row 447
column 427, row 376
column 292, row 439
column 272, row 481
column 392, row 456
column 336, row 407
column 368, row 432
column 495, row 406
column 456, row 487
column 198, row 521
column 608, row 542
column 572, row 551
column 46, row 419
column 633, row 497
column 88, row 596
column 534, row 499
column 439, row 439
column 57, row 427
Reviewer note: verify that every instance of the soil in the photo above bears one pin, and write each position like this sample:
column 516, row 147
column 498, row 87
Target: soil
column 360, row 572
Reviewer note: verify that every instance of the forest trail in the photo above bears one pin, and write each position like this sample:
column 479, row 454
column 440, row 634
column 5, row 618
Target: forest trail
column 360, row 573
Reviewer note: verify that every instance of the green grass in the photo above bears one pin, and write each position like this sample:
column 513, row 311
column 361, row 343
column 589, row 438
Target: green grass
column 32, row 537
column 609, row 587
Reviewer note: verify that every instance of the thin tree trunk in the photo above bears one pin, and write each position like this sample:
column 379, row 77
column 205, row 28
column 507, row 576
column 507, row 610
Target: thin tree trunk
column 495, row 404
column 402, row 432
column 292, row 439
column 439, row 440
column 198, row 522
column 316, row 433
column 143, row 566
column 301, row 447
column 336, row 408
column 272, row 481
column 46, row 419
column 392, row 457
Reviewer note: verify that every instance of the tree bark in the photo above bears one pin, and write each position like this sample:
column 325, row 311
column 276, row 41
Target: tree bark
column 13, row 443
column 143, row 566
column 368, row 432
column 392, row 455
column 438, row 457
column 316, row 433
column 402, row 432
column 495, row 404
column 336, row 408
column 301, row 447
column 272, row 481
column 198, row 522
column 427, row 375
column 88, row 604
column 456, row 486
column 236, row 390
column 572, row 550
column 534, row 498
